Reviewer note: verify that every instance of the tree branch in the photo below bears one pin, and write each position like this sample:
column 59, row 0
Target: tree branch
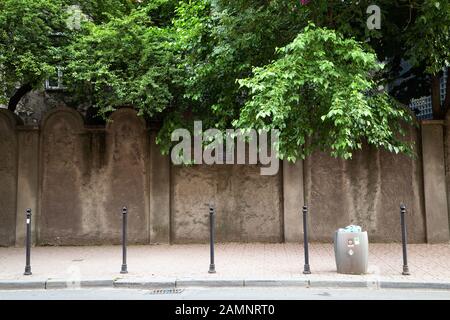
column 18, row 95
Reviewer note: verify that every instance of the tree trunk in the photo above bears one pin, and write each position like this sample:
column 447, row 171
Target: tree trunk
column 18, row 95
column 436, row 97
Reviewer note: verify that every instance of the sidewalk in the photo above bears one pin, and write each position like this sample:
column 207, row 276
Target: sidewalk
column 164, row 266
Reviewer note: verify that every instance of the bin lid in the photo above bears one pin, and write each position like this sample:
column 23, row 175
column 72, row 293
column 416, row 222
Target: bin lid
column 350, row 228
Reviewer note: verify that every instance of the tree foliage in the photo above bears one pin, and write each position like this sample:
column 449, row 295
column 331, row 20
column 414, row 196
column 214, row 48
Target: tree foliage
column 126, row 61
column 34, row 36
column 309, row 68
column 321, row 94
column 31, row 40
column 428, row 42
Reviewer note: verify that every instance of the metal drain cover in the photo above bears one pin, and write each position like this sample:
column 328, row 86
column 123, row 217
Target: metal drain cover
column 166, row 291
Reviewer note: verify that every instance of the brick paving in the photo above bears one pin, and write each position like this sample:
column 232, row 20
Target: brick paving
column 233, row 261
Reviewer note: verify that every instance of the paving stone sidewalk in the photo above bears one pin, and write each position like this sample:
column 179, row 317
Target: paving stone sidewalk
column 243, row 263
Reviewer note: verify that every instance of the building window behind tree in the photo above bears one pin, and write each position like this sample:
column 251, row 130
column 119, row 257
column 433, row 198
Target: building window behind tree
column 55, row 82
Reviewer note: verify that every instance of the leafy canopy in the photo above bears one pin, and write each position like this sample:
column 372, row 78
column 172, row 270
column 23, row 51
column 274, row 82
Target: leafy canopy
column 320, row 93
column 429, row 39
column 31, row 38
column 217, row 61
column 35, row 34
column 126, row 61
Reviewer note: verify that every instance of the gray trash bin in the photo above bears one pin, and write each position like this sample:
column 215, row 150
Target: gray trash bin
column 351, row 251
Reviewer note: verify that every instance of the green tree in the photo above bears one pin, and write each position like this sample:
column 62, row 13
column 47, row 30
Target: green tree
column 416, row 31
column 31, row 38
column 428, row 44
column 126, row 61
column 321, row 93
column 218, row 60
column 100, row 11
column 34, row 35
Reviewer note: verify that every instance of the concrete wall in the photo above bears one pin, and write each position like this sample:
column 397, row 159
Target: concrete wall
column 249, row 206
column 8, row 178
column 63, row 169
column 367, row 191
column 88, row 175
column 76, row 178
column 27, row 180
column 293, row 201
column 125, row 176
column 434, row 182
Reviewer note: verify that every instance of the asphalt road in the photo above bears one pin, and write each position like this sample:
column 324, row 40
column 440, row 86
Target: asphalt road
column 226, row 294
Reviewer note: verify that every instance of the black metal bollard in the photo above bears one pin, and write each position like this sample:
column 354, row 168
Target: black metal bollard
column 124, row 241
column 212, row 213
column 306, row 269
column 28, row 245
column 404, row 240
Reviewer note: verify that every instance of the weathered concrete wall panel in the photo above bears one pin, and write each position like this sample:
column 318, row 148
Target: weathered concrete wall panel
column 249, row 206
column 366, row 191
column 63, row 167
column 159, row 180
column 27, row 181
column 293, row 195
column 8, row 178
column 436, row 210
column 88, row 175
column 126, row 181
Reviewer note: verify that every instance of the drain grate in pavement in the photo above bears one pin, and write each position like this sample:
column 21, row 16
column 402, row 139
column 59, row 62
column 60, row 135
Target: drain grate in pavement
column 166, row 291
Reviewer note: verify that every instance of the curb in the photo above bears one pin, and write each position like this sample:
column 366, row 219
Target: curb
column 171, row 283
column 70, row 284
column 22, row 284
column 339, row 284
column 276, row 283
column 144, row 284
column 414, row 285
column 209, row 283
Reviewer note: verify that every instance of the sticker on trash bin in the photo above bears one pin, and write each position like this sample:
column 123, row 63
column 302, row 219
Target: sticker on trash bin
column 350, row 243
column 356, row 240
